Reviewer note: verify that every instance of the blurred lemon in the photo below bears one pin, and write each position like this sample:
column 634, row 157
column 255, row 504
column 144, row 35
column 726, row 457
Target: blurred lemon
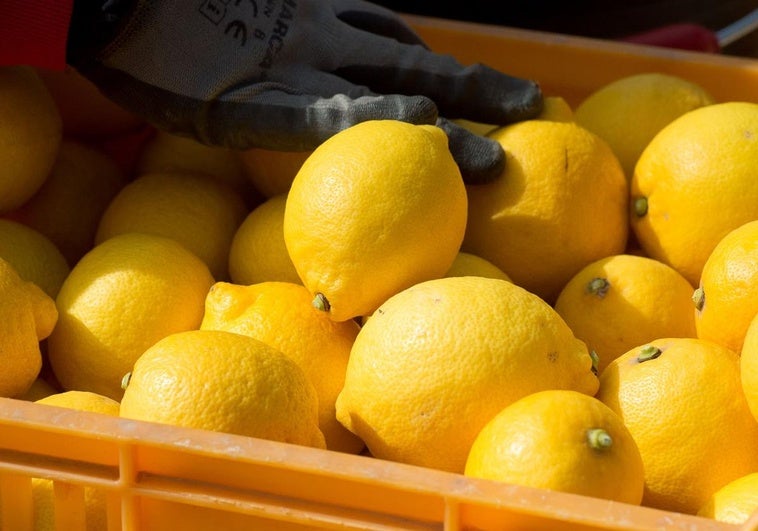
column 694, row 183
column 628, row 112
column 33, row 255
column 727, row 298
column 27, row 316
column 735, row 502
column 617, row 303
column 438, row 360
column 226, row 382
column 85, row 112
column 120, row 298
column 270, row 171
column 578, row 443
column 68, row 206
column 258, row 252
column 375, row 209
column 467, row 264
column 30, row 135
column 682, row 400
column 194, row 209
column 561, row 205
column 281, row 315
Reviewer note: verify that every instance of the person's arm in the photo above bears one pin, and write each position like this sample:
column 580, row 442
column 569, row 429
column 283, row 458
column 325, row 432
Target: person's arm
column 34, row 32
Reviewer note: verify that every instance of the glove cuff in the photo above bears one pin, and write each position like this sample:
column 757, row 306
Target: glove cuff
column 94, row 24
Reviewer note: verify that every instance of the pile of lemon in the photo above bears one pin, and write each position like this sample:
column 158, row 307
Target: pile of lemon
column 585, row 323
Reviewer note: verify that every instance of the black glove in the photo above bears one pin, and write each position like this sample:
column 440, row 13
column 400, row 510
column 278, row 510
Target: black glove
column 287, row 74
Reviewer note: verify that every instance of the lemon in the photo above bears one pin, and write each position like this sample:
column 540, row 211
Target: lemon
column 727, row 298
column 628, row 112
column 68, row 206
column 749, row 366
column 617, row 303
column 281, row 315
column 120, row 298
column 168, row 153
column 561, row 205
column 195, row 209
column 30, row 135
column 375, row 209
column 467, row 264
column 581, row 446
column 82, row 401
column 33, row 255
column 258, row 252
column 226, row 382
column 27, row 316
column 271, row 172
column 735, row 502
column 438, row 360
column 85, row 111
column 682, row 401
column 695, row 182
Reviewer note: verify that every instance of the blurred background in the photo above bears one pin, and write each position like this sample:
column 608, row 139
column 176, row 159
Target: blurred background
column 607, row 19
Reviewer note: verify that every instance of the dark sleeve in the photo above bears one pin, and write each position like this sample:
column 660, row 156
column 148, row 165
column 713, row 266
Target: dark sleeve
column 34, row 32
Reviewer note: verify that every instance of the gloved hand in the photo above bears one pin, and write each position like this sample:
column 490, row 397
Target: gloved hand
column 288, row 74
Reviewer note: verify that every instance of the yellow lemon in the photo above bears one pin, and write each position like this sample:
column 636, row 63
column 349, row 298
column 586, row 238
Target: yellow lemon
column 120, row 298
column 561, row 204
column 628, row 112
column 30, row 135
column 226, row 382
column 467, row 264
column 82, row 401
column 281, row 315
column 258, row 252
column 27, row 316
column 33, row 255
column 749, row 365
column 271, row 171
column 727, row 298
column 438, row 360
column 560, row 440
column 375, row 209
column 617, row 303
column 682, row 400
column 195, row 209
column 694, row 183
column 68, row 206
column 168, row 153
column 735, row 502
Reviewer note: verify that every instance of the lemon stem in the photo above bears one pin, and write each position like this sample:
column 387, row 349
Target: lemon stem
column 640, row 206
column 595, row 361
column 125, row 380
column 598, row 286
column 321, row 303
column 648, row 352
column 698, row 297
column 599, row 439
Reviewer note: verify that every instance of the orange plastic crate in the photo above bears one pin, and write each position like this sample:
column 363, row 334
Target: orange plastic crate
column 160, row 478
